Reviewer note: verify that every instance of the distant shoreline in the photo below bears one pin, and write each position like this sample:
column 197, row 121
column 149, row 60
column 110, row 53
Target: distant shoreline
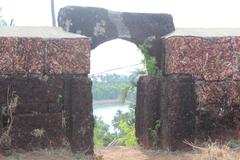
column 107, row 102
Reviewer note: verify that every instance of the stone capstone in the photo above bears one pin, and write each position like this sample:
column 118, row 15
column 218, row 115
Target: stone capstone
column 205, row 53
column 43, row 50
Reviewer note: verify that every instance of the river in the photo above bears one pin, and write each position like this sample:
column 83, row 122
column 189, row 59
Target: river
column 107, row 112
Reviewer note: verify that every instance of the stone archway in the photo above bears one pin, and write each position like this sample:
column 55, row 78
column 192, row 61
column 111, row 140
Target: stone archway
column 187, row 84
column 103, row 25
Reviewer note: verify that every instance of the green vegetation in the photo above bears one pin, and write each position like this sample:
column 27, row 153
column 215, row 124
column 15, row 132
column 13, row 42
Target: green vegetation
column 154, row 133
column 115, row 86
column 124, row 130
column 102, row 135
column 108, row 86
column 150, row 63
column 124, row 124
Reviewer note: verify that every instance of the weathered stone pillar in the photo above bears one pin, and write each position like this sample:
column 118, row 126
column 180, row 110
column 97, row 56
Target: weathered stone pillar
column 147, row 109
column 81, row 131
column 178, row 107
column 171, row 101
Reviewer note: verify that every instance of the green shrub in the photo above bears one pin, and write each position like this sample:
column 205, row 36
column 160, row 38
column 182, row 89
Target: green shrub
column 150, row 63
column 102, row 135
column 154, row 134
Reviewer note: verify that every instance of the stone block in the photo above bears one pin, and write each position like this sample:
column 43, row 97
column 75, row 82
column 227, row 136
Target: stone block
column 7, row 49
column 81, row 88
column 236, row 58
column 223, row 94
column 204, row 53
column 29, row 56
column 217, row 110
column 178, row 106
column 147, row 109
column 80, row 134
column 34, row 131
column 36, row 94
column 68, row 56
column 210, row 93
column 43, row 50
column 80, row 115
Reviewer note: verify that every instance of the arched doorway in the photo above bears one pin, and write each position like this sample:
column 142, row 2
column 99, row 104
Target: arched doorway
column 102, row 25
column 112, row 64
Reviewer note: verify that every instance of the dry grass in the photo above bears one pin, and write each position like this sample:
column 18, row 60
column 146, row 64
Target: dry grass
column 47, row 154
column 137, row 153
column 215, row 151
column 8, row 110
column 212, row 151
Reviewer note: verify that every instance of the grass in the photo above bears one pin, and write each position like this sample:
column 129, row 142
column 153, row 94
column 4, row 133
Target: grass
column 215, row 151
column 212, row 151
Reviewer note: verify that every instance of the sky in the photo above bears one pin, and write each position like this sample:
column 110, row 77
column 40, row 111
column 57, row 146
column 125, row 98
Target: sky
column 186, row 13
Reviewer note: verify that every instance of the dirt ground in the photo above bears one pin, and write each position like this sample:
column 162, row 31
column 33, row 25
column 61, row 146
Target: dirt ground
column 111, row 153
column 136, row 153
column 128, row 153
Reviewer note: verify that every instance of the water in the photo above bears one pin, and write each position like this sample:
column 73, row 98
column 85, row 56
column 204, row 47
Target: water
column 107, row 112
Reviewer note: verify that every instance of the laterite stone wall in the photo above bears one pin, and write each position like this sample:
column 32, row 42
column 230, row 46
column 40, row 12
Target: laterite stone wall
column 212, row 57
column 198, row 97
column 48, row 69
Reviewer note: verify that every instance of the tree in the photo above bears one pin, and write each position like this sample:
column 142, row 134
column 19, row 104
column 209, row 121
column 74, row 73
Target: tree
column 53, row 13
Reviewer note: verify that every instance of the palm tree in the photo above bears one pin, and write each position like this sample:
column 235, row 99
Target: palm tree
column 53, row 13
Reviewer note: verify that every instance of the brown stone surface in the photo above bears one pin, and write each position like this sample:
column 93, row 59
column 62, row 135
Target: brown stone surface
column 7, row 48
column 147, row 109
column 68, row 56
column 236, row 58
column 212, row 57
column 36, row 95
column 210, row 92
column 29, row 57
column 171, row 100
column 43, row 50
column 26, row 132
column 224, row 93
column 48, row 102
column 218, row 109
column 80, row 132
column 206, row 58
column 178, row 106
column 81, row 95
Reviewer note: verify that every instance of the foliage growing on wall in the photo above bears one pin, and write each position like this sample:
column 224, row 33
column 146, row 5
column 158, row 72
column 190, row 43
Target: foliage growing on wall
column 150, row 63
